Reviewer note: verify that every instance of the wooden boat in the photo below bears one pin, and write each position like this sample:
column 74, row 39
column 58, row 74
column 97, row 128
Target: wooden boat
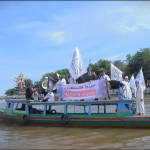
column 122, row 116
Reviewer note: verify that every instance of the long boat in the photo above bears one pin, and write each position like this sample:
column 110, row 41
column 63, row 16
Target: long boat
column 90, row 113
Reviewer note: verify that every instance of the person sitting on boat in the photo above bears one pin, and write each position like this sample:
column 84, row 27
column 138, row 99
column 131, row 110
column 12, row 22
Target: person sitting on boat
column 35, row 93
column 127, row 92
column 121, row 91
column 105, row 84
column 140, row 109
column 48, row 97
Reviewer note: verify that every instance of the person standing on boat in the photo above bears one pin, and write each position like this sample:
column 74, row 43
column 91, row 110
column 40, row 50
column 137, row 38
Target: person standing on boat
column 80, row 80
column 58, row 88
column 63, row 81
column 120, row 92
column 71, row 80
column 140, row 110
column 29, row 92
column 105, row 85
column 127, row 92
column 93, row 77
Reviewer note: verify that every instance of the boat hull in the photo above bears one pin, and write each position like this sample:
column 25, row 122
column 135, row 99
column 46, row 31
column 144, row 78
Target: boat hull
column 96, row 122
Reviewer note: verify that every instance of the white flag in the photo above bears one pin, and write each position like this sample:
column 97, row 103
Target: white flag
column 116, row 74
column 77, row 67
column 140, row 78
column 132, row 84
column 57, row 75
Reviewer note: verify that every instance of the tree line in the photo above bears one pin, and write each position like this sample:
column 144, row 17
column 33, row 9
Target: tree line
column 130, row 66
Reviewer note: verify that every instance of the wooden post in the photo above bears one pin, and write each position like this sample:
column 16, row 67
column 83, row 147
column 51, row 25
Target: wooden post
column 65, row 111
column 27, row 109
column 89, row 109
column 49, row 108
column 12, row 105
column 84, row 109
column 104, row 109
column 44, row 113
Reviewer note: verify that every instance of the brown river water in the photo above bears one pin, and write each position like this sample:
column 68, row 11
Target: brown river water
column 41, row 137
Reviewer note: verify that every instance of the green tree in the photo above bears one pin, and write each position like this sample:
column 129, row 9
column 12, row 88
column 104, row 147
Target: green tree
column 27, row 82
column 138, row 60
column 101, row 65
column 11, row 92
column 63, row 71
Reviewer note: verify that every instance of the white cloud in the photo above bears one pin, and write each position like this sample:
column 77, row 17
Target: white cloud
column 115, row 57
column 30, row 24
column 57, row 37
column 124, row 29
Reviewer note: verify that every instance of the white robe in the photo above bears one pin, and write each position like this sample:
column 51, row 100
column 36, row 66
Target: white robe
column 49, row 96
column 59, row 86
column 71, row 80
column 103, row 86
column 127, row 93
column 139, row 104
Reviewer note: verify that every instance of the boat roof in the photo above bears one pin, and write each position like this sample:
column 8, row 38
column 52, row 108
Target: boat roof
column 72, row 102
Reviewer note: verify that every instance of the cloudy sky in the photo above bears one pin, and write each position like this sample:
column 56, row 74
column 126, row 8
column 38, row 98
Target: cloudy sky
column 39, row 37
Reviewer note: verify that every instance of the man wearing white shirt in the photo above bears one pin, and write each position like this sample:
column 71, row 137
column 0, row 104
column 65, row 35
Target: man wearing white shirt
column 127, row 90
column 71, row 80
column 104, row 83
column 49, row 97
column 140, row 109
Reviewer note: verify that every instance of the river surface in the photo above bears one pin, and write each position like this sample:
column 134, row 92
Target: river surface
column 35, row 137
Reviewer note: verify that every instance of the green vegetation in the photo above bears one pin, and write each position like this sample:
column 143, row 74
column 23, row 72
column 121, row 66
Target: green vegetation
column 11, row 92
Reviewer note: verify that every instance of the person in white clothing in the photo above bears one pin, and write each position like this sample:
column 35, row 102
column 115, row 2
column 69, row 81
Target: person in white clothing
column 62, row 82
column 105, row 84
column 71, row 80
column 49, row 97
column 58, row 88
column 127, row 89
column 140, row 110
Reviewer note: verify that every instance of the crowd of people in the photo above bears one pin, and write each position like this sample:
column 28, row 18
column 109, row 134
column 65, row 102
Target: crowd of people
column 124, row 91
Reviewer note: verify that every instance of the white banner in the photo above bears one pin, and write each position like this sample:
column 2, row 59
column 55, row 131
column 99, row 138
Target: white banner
column 140, row 78
column 77, row 67
column 116, row 74
column 86, row 90
column 132, row 84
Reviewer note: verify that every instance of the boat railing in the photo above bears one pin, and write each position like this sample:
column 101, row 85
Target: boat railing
column 121, row 106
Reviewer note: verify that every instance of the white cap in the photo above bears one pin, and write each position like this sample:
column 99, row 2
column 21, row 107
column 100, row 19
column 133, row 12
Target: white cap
column 46, row 77
column 126, row 77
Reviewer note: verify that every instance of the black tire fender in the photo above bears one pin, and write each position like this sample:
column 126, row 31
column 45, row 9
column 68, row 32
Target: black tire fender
column 53, row 110
column 25, row 118
column 62, row 119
